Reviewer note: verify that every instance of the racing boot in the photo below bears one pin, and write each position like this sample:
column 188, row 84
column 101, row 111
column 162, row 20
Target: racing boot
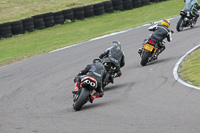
column 95, row 95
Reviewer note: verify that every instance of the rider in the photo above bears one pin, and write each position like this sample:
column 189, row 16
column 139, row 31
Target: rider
column 192, row 5
column 95, row 70
column 160, row 32
column 116, row 56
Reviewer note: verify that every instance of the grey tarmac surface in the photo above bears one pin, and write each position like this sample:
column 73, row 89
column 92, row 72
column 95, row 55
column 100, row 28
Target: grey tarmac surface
column 35, row 94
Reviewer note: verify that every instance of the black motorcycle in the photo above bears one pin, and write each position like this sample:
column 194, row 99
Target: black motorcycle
column 186, row 20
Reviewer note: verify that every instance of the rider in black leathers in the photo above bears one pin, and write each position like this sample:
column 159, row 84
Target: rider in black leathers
column 95, row 70
column 160, row 32
column 116, row 56
column 192, row 5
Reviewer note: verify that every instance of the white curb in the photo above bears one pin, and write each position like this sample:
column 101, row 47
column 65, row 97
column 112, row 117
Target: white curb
column 175, row 71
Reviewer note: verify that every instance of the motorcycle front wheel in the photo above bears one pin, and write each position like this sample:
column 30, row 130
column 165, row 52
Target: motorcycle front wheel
column 82, row 99
column 193, row 23
column 180, row 26
column 145, row 58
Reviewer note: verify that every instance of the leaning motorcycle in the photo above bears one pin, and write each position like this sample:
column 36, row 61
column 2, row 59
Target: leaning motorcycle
column 186, row 20
column 148, row 51
column 86, row 92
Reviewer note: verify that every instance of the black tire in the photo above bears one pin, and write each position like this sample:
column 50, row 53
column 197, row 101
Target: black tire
column 98, row 9
column 68, row 15
column 179, row 26
column 88, row 11
column 17, row 27
column 145, row 58
column 38, row 22
column 108, row 7
column 81, row 100
column 155, row 1
column 145, row 2
column 137, row 3
column 28, row 24
column 5, row 30
column 127, row 4
column 49, row 20
column 79, row 13
column 58, row 17
column 118, row 5
column 193, row 23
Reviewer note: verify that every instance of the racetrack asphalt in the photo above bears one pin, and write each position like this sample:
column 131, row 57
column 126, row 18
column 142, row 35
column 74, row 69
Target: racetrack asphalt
column 35, row 94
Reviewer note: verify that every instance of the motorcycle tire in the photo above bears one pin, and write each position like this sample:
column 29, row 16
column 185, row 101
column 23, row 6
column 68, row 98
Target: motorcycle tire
column 81, row 100
column 145, row 58
column 193, row 23
column 180, row 26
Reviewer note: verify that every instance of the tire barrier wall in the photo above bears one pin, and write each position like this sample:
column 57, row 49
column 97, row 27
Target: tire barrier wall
column 28, row 24
column 51, row 19
column 127, row 4
column 99, row 9
column 68, row 15
column 89, row 11
column 155, row 1
column 108, row 7
column 58, row 17
column 17, row 27
column 38, row 22
column 145, row 2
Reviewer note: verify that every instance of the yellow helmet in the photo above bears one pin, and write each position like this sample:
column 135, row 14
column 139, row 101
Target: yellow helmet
column 166, row 22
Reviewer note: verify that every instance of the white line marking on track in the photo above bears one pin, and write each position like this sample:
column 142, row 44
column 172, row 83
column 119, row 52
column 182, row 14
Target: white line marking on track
column 175, row 71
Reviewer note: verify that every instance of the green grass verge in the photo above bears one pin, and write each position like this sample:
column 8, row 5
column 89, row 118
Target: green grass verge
column 42, row 41
column 190, row 68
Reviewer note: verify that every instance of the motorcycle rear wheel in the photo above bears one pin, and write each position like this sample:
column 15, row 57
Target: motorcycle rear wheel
column 180, row 26
column 82, row 99
column 145, row 58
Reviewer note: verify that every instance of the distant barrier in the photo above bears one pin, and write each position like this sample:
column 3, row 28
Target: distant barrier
column 51, row 19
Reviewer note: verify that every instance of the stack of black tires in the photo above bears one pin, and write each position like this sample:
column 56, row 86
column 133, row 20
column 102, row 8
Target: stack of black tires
column 51, row 19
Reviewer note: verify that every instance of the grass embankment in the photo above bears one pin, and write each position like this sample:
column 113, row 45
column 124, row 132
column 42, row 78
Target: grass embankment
column 190, row 69
column 41, row 41
column 17, row 9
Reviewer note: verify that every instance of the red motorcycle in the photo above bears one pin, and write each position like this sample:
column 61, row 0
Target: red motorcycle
column 86, row 92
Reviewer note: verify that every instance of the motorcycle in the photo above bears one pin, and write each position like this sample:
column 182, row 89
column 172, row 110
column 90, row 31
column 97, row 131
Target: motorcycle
column 148, row 52
column 185, row 20
column 86, row 93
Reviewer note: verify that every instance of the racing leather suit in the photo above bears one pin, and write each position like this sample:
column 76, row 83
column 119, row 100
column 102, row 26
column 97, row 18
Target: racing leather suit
column 116, row 56
column 192, row 5
column 160, row 32
column 95, row 70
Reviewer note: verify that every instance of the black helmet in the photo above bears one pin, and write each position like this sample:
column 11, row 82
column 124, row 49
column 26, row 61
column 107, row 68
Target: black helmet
column 96, row 60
